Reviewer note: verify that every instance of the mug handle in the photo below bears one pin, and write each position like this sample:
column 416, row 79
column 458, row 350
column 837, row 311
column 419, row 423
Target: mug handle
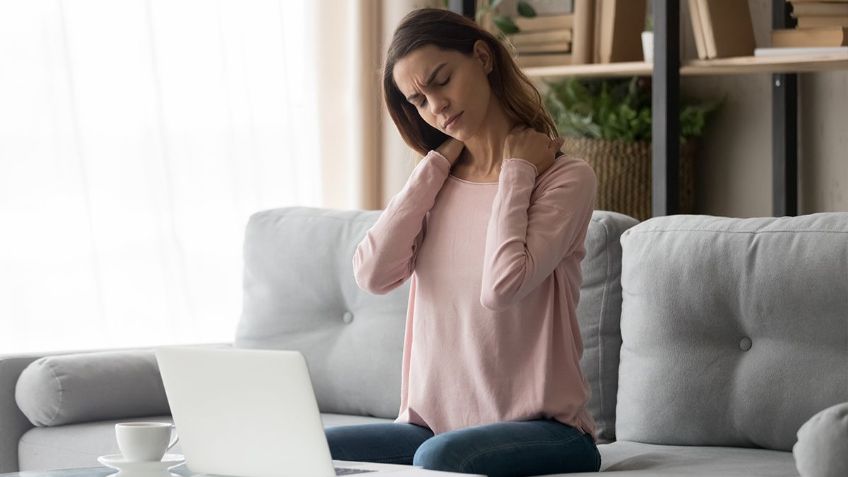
column 174, row 442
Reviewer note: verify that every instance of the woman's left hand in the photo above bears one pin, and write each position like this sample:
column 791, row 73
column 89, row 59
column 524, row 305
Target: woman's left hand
column 532, row 146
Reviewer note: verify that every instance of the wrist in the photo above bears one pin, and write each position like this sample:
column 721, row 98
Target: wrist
column 524, row 163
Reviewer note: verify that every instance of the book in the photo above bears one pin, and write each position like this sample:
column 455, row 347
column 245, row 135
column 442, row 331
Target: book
column 583, row 31
column 727, row 26
column 596, row 31
column 519, row 39
column 809, row 37
column 819, row 8
column 697, row 29
column 550, row 7
column 621, row 26
column 547, row 59
column 822, row 21
column 556, row 47
column 802, row 51
column 546, row 22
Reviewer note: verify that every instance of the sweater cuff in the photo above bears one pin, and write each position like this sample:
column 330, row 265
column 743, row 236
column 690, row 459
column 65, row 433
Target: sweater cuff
column 439, row 158
column 518, row 163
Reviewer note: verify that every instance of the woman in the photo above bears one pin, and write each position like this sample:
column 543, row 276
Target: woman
column 490, row 228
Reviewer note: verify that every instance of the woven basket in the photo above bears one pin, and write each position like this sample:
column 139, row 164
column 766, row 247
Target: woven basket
column 624, row 174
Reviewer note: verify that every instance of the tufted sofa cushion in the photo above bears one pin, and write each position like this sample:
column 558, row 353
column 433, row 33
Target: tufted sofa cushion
column 735, row 331
column 299, row 293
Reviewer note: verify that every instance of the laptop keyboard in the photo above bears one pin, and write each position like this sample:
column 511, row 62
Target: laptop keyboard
column 348, row 471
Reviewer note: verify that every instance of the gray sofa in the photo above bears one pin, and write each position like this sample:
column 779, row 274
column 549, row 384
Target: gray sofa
column 708, row 342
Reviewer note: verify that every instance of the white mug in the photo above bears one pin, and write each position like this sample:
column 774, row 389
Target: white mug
column 144, row 441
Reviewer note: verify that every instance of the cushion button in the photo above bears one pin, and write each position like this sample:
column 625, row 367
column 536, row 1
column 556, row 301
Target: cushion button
column 348, row 317
column 745, row 344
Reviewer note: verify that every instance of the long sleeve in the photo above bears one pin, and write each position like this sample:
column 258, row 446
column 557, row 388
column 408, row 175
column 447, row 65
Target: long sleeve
column 385, row 257
column 524, row 241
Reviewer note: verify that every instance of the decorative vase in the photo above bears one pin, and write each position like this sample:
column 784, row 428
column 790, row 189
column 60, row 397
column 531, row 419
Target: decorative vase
column 648, row 46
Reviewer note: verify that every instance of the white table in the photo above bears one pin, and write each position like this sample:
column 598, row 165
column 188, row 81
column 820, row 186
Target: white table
column 183, row 471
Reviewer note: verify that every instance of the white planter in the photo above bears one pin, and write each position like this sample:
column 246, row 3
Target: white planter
column 648, row 46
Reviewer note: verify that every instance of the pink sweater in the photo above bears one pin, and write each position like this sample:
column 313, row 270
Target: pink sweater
column 491, row 328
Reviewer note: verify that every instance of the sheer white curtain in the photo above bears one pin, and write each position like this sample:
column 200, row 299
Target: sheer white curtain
column 136, row 137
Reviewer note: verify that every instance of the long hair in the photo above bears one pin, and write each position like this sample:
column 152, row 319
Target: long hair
column 451, row 31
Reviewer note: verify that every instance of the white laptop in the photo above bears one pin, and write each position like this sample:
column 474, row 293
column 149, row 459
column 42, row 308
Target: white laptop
column 252, row 413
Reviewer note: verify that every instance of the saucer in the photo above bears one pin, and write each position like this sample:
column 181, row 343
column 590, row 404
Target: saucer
column 117, row 461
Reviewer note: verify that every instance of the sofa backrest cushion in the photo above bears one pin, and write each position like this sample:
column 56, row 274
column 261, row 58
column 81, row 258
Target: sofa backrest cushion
column 735, row 331
column 598, row 313
column 299, row 293
column 82, row 387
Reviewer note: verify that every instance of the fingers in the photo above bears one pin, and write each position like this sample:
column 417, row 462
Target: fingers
column 556, row 142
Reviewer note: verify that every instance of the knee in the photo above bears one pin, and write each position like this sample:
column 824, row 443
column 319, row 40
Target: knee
column 440, row 453
column 335, row 441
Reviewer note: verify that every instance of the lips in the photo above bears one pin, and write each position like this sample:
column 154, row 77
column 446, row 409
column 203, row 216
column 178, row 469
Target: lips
column 452, row 120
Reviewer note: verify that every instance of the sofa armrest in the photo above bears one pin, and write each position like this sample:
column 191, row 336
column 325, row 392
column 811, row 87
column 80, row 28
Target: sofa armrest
column 12, row 421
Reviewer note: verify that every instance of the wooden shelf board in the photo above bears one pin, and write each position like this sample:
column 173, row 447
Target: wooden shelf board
column 636, row 68
column 762, row 64
column 722, row 66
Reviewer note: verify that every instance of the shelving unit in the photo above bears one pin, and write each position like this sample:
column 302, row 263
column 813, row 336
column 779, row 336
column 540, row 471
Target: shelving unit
column 666, row 71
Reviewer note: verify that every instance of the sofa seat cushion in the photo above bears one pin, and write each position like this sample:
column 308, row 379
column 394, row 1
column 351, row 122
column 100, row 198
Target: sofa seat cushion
column 627, row 458
column 634, row 459
column 79, row 445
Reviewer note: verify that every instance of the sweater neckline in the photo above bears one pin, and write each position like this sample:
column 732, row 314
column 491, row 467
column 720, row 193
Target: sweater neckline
column 471, row 182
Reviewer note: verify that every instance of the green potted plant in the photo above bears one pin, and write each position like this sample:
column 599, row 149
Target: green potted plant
column 608, row 123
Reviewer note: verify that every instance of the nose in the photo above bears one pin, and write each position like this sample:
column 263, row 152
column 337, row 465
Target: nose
column 438, row 103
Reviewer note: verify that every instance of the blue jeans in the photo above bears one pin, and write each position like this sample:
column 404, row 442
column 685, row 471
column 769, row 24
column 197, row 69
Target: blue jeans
column 511, row 448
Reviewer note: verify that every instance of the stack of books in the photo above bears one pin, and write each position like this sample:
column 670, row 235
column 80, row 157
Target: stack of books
column 544, row 40
column 722, row 28
column 822, row 28
column 567, row 32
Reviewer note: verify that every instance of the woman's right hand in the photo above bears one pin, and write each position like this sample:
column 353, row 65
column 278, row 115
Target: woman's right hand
column 451, row 149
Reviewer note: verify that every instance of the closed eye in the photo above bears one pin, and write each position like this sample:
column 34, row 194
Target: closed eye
column 438, row 84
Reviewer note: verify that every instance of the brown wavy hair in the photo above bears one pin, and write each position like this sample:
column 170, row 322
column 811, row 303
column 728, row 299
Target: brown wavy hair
column 451, row 31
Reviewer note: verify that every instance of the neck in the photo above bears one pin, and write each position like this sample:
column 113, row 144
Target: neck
column 483, row 153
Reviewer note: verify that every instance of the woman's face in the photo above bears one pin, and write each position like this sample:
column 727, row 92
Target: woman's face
column 445, row 85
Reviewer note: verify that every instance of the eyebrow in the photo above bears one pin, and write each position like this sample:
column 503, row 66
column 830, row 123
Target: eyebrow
column 427, row 83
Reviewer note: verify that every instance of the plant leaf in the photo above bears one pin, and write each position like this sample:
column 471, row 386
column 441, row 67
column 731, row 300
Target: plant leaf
column 525, row 9
column 616, row 109
column 505, row 24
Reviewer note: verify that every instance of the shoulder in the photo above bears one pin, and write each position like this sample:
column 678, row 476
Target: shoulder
column 568, row 172
column 569, row 184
